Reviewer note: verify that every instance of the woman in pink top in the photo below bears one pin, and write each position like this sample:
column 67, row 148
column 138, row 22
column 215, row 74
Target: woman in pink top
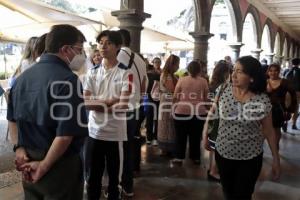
column 189, row 106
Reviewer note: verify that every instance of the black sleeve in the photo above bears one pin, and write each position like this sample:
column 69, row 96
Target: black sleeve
column 70, row 111
column 10, row 109
column 293, row 106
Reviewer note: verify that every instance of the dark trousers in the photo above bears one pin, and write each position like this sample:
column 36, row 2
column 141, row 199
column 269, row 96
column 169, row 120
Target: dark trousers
column 238, row 177
column 131, row 151
column 99, row 153
column 64, row 181
column 188, row 128
column 151, row 120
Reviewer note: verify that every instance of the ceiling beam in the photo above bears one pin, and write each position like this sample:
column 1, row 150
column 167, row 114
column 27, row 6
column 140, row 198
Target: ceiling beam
column 264, row 9
column 280, row 1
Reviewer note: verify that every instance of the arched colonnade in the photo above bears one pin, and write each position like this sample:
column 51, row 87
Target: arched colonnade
column 269, row 38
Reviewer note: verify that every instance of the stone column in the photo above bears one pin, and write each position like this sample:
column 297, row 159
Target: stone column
column 270, row 57
column 131, row 17
column 256, row 53
column 201, row 44
column 236, row 49
column 278, row 59
column 286, row 62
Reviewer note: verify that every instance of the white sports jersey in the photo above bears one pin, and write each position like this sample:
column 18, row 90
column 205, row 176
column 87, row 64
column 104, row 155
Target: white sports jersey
column 108, row 84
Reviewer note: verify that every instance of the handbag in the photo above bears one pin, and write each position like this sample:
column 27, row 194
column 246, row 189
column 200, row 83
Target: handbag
column 155, row 92
column 213, row 124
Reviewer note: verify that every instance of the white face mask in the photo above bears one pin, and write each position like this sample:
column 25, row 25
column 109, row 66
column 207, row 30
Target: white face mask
column 77, row 62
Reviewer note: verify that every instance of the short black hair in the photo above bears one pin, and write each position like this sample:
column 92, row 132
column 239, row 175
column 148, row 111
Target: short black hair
column 113, row 36
column 296, row 61
column 60, row 35
column 253, row 68
column 125, row 37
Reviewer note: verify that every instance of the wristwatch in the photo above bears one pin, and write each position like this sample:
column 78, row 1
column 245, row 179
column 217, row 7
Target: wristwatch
column 16, row 146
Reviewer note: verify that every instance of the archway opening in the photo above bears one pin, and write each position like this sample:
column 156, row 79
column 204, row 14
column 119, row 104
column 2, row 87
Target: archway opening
column 266, row 43
column 277, row 49
column 221, row 25
column 249, row 38
column 291, row 51
column 285, row 53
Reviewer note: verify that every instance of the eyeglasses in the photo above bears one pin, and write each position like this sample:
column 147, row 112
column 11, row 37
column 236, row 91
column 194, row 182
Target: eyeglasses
column 80, row 49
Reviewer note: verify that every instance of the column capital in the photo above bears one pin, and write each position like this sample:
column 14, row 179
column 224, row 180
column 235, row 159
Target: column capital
column 235, row 45
column 278, row 56
column 257, row 51
column 204, row 36
column 270, row 54
column 132, row 19
column 270, row 57
column 130, row 14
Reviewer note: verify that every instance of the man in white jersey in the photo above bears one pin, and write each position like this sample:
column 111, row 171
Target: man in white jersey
column 106, row 94
column 137, row 66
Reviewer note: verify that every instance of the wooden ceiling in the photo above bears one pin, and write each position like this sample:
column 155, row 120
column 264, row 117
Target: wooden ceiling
column 286, row 13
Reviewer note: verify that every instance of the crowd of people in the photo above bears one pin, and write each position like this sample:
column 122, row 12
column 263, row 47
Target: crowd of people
column 75, row 130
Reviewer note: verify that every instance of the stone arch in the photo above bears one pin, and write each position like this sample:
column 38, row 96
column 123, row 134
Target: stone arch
column 277, row 46
column 252, row 11
column 235, row 16
column 285, row 50
column 266, row 40
column 202, row 15
column 249, row 40
column 288, row 46
column 297, row 51
column 269, row 24
column 291, row 50
column 281, row 38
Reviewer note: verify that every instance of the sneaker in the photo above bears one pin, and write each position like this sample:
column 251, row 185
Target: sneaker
column 148, row 142
column 128, row 193
column 154, row 142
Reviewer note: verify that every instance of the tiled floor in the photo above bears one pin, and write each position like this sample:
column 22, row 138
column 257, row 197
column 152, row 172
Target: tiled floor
column 159, row 179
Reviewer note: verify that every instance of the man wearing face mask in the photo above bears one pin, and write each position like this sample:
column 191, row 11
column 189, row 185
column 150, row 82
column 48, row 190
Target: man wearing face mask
column 47, row 119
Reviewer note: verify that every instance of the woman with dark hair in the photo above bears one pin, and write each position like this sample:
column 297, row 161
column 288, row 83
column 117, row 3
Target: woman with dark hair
column 190, row 97
column 203, row 73
column 278, row 89
column 166, row 130
column 156, row 64
column 245, row 121
column 39, row 47
column 220, row 75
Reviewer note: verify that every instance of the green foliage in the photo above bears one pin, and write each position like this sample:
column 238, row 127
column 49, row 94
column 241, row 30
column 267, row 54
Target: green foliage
column 4, row 75
column 67, row 6
column 219, row 2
